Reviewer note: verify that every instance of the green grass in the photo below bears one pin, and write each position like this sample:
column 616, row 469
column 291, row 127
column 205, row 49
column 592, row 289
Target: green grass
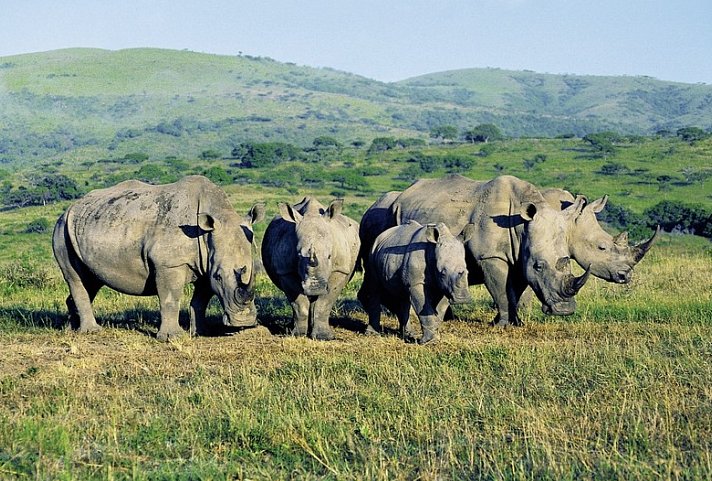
column 619, row 390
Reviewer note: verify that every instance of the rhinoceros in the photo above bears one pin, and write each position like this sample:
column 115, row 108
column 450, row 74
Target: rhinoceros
column 147, row 240
column 418, row 266
column 309, row 251
column 514, row 238
column 610, row 258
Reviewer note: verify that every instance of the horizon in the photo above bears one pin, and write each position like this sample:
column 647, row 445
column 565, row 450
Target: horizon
column 393, row 41
column 243, row 54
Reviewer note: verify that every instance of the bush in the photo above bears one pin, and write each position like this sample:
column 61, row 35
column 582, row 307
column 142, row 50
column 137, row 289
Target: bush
column 38, row 226
column 678, row 216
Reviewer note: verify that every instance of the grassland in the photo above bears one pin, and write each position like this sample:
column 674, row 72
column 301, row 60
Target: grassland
column 620, row 390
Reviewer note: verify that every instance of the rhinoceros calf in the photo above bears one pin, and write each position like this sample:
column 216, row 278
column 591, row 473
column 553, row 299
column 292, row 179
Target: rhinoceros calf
column 309, row 251
column 149, row 240
column 414, row 265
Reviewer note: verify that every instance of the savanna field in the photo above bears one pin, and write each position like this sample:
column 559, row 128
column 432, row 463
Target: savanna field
column 622, row 389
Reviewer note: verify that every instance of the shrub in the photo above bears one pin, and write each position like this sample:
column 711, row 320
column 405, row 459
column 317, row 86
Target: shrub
column 38, row 226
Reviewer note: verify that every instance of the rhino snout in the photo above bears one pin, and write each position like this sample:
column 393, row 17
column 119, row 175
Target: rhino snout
column 315, row 286
column 622, row 276
column 561, row 308
column 246, row 317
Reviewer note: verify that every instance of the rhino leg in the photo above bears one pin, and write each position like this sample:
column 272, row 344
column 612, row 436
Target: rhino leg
column 498, row 280
column 300, row 318
column 198, row 305
column 369, row 296
column 83, row 287
column 427, row 314
column 169, row 285
column 319, row 311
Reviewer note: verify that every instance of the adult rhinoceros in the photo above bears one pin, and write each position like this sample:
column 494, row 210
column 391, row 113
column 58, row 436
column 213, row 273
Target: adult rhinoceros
column 515, row 238
column 149, row 240
column 309, row 251
column 610, row 258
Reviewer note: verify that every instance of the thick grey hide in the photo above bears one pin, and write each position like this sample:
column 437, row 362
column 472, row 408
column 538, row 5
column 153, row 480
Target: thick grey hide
column 309, row 251
column 414, row 265
column 514, row 237
column 148, row 240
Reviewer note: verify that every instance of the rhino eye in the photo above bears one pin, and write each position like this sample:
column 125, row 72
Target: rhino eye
column 538, row 266
column 602, row 247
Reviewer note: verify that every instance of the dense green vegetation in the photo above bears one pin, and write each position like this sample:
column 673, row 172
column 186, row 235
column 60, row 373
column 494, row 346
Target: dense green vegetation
column 85, row 104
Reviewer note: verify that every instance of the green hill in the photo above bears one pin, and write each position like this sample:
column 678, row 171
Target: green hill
column 87, row 103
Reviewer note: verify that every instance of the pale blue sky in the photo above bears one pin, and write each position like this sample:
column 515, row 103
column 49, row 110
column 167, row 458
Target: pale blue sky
column 390, row 39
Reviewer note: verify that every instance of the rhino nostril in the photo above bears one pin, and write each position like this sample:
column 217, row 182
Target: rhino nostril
column 623, row 276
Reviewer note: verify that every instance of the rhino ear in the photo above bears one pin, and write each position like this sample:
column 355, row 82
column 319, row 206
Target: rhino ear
column 432, row 233
column 207, row 222
column 256, row 214
column 289, row 213
column 528, row 211
column 335, row 208
column 597, row 205
column 468, row 233
column 577, row 207
column 397, row 215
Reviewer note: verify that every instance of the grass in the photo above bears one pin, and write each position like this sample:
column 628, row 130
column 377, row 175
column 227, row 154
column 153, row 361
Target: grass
column 620, row 390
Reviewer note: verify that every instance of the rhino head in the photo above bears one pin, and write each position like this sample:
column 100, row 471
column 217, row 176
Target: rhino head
column 229, row 263
column 450, row 266
column 314, row 244
column 610, row 258
column 545, row 259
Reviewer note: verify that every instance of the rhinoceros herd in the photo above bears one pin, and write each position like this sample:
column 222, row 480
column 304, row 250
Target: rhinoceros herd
column 420, row 250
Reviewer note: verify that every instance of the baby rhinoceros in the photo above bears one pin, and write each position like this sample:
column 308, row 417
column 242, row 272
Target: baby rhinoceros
column 309, row 251
column 414, row 265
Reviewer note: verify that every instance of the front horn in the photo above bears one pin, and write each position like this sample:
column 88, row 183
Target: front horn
column 641, row 249
column 576, row 283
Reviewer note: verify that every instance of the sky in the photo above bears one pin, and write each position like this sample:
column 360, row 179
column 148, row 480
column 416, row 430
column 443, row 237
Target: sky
column 389, row 40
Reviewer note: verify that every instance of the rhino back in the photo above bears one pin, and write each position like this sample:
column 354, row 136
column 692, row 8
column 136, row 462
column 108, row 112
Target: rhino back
column 399, row 255
column 124, row 232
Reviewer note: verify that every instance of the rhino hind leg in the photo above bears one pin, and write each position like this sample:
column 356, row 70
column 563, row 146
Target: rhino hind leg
column 81, row 316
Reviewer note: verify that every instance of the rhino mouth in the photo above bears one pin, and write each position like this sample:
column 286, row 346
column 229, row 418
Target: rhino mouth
column 315, row 287
column 561, row 308
column 246, row 317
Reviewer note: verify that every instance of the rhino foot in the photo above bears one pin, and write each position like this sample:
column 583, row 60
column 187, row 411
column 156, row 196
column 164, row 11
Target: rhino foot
column 170, row 335
column 298, row 331
column 429, row 337
column 89, row 328
column 371, row 331
column 499, row 322
column 323, row 335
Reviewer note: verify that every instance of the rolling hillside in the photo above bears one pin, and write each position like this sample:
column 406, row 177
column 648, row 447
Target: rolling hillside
column 87, row 103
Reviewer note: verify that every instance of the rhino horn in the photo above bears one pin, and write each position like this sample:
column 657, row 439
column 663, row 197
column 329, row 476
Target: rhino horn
column 576, row 283
column 641, row 249
column 621, row 239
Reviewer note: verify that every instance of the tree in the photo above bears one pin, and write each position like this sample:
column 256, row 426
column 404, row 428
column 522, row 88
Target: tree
column 444, row 132
column 691, row 134
column 603, row 142
column 381, row 144
column 483, row 133
column 325, row 142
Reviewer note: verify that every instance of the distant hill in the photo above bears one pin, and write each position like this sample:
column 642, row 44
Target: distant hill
column 88, row 103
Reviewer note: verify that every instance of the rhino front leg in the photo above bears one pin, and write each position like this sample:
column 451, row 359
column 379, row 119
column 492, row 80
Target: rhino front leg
column 320, row 309
column 496, row 276
column 427, row 314
column 169, row 286
column 370, row 299
column 300, row 315
column 198, row 305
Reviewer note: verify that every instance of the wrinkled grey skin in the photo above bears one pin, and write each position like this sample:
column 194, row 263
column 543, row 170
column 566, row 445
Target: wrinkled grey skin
column 610, row 258
column 309, row 251
column 514, row 238
column 150, row 240
column 419, row 266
